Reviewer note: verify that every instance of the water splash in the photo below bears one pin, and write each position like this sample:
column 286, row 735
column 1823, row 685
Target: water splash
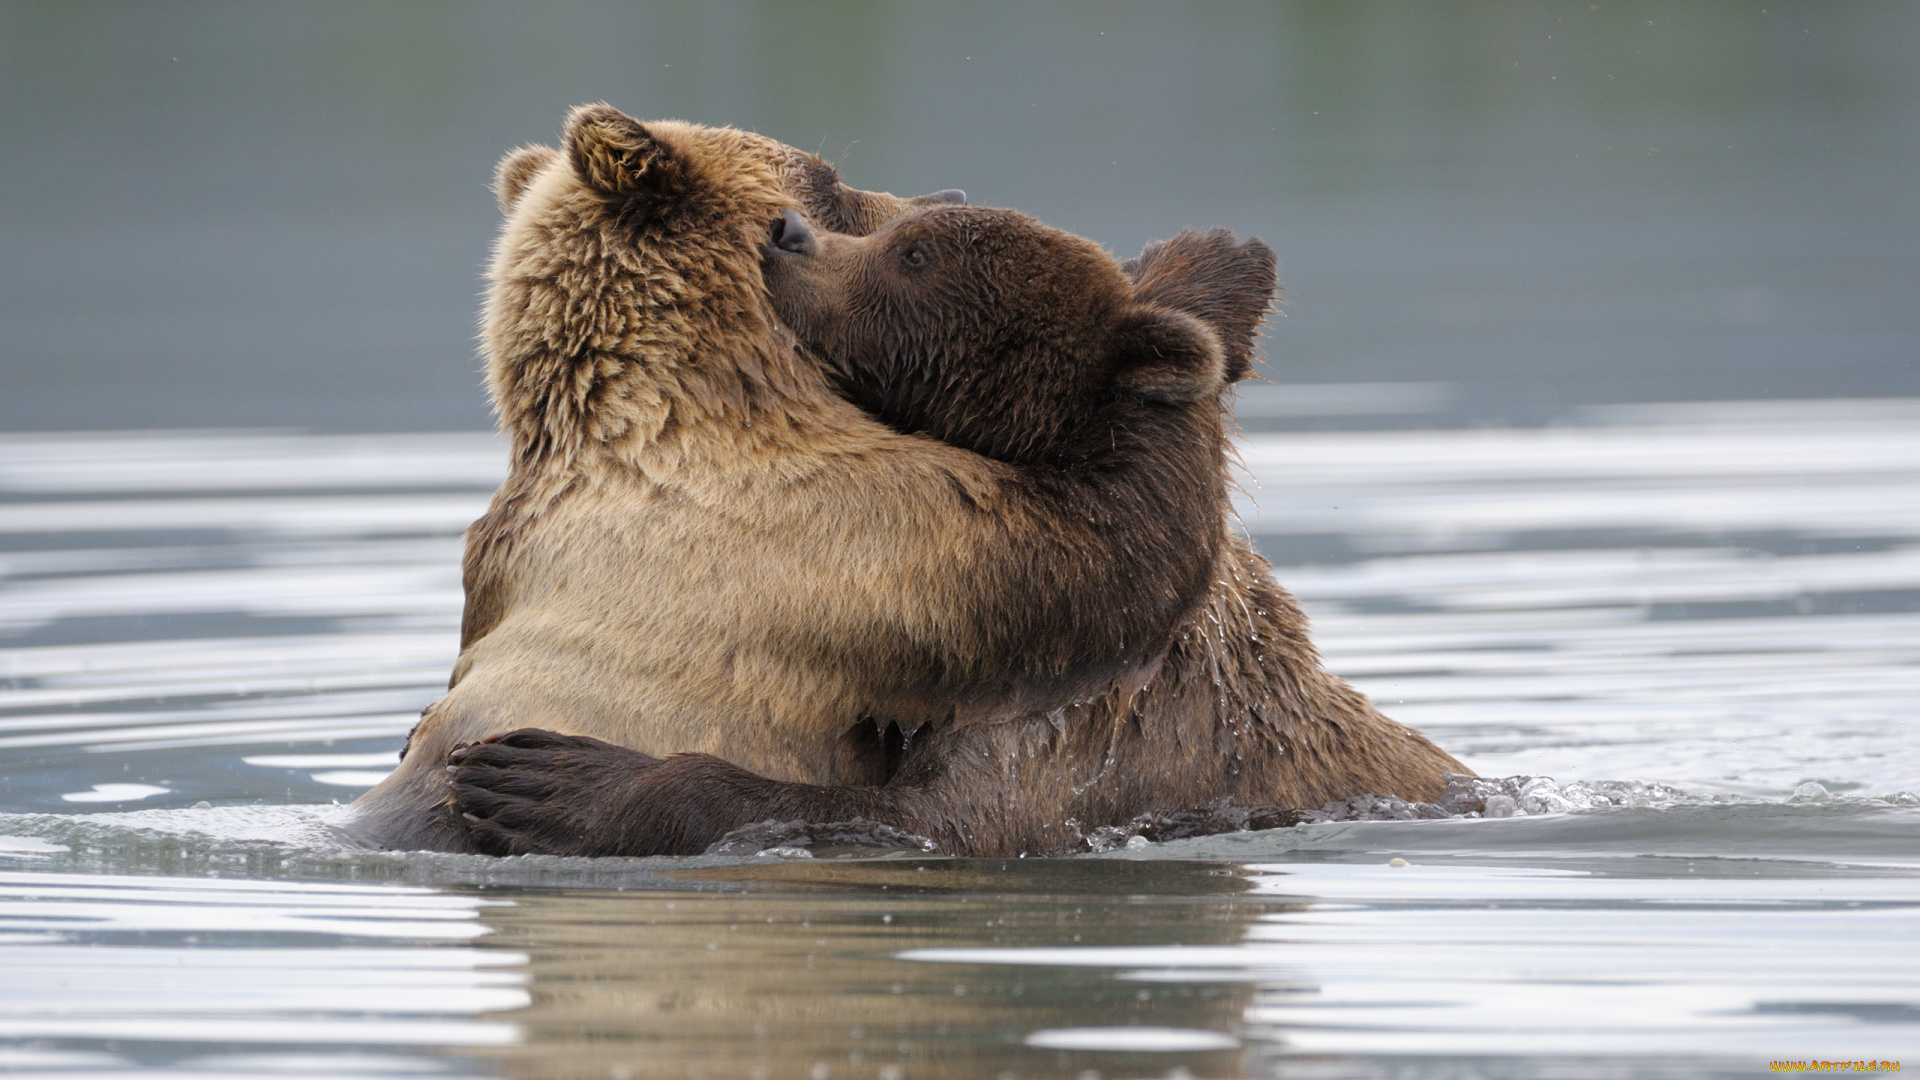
column 805, row 840
column 1466, row 798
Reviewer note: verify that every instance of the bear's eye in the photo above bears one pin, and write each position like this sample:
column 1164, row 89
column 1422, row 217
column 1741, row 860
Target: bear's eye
column 915, row 255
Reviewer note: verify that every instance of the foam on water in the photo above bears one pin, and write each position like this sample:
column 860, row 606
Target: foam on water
column 1532, row 819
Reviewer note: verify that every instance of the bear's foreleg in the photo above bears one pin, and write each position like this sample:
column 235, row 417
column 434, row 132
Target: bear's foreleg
column 1027, row 786
column 540, row 792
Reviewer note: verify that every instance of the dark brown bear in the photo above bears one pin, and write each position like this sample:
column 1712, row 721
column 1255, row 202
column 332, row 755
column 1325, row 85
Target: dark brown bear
column 988, row 330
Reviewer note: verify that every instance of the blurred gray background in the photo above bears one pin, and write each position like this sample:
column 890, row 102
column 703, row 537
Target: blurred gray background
column 253, row 215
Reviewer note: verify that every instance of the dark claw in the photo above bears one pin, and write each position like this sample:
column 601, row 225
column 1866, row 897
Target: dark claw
column 535, row 791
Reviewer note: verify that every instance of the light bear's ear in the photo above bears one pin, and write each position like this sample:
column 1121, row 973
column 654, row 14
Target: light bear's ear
column 1224, row 282
column 1167, row 356
column 616, row 155
column 516, row 171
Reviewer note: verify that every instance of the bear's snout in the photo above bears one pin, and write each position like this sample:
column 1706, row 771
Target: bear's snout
column 792, row 234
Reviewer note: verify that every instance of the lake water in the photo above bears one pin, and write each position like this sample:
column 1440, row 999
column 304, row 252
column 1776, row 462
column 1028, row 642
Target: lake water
column 1701, row 621
column 276, row 214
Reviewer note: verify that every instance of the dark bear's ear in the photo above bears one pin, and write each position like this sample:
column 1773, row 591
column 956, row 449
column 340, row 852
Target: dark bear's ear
column 615, row 154
column 516, row 171
column 1167, row 356
column 1227, row 284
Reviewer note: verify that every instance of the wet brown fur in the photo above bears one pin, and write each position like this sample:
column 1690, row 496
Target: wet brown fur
column 1237, row 709
column 1241, row 713
column 702, row 547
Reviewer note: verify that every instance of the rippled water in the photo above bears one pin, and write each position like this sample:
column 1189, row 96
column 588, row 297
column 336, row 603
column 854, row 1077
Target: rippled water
column 1701, row 621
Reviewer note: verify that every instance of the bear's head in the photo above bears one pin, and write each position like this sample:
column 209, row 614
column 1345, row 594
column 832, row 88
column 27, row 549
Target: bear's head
column 621, row 157
column 626, row 280
column 991, row 331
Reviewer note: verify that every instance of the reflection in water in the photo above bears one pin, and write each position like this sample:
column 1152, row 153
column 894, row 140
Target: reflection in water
column 910, row 967
column 799, row 972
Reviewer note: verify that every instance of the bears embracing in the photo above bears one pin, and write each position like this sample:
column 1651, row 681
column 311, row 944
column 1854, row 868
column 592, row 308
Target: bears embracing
column 704, row 546
column 1077, row 636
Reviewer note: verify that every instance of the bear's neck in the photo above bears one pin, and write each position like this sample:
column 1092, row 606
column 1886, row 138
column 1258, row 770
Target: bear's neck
column 729, row 398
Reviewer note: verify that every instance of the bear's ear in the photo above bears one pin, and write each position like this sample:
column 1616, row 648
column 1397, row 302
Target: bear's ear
column 1167, row 356
column 516, row 171
column 1227, row 284
column 616, row 155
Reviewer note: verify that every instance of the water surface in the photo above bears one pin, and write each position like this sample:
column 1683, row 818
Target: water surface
column 1699, row 620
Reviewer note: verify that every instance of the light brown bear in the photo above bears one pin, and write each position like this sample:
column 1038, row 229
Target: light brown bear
column 702, row 546
column 994, row 333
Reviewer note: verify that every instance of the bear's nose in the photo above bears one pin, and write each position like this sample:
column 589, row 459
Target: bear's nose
column 792, row 234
